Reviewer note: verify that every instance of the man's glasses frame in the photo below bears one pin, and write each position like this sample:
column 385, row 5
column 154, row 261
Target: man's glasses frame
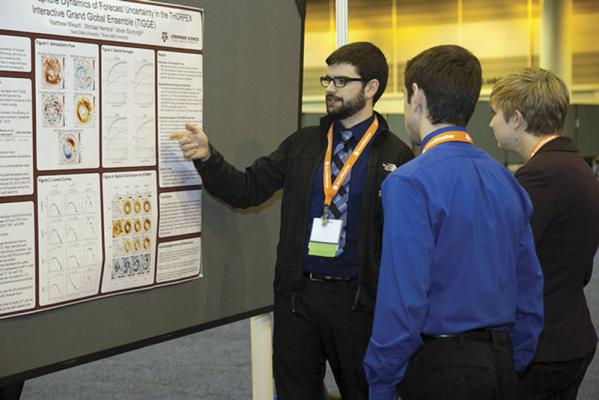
column 339, row 81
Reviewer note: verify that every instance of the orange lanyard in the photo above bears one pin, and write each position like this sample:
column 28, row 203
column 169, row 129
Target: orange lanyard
column 450, row 136
column 543, row 143
column 330, row 190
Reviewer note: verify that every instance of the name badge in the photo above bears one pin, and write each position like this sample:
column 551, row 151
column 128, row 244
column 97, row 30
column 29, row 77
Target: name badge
column 324, row 238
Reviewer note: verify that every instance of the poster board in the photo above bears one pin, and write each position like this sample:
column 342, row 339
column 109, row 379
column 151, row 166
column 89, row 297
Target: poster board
column 88, row 166
column 236, row 283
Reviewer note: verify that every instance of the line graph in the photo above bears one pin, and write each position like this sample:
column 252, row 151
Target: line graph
column 144, row 138
column 56, row 287
column 68, row 237
column 143, row 83
column 56, row 260
column 55, row 205
column 72, row 235
column 129, row 96
column 115, row 81
column 88, row 204
column 74, row 262
column 55, row 237
column 116, row 138
column 72, row 208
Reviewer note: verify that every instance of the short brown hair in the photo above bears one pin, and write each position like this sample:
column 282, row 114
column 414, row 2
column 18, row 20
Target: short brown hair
column 369, row 60
column 538, row 94
column 450, row 76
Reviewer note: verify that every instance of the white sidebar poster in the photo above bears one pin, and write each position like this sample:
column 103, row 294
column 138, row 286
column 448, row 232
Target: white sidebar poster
column 17, row 259
column 95, row 199
column 178, row 259
column 16, row 137
column 179, row 102
column 15, row 53
column 180, row 214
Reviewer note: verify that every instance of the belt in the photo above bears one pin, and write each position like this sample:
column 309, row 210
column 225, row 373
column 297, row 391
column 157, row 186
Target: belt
column 476, row 335
column 328, row 278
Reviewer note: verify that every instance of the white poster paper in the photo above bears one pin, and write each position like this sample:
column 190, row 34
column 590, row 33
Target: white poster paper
column 130, row 216
column 111, row 20
column 180, row 94
column 67, row 105
column 179, row 260
column 128, row 120
column 15, row 53
column 180, row 213
column 81, row 149
column 16, row 137
column 17, row 258
column 69, row 237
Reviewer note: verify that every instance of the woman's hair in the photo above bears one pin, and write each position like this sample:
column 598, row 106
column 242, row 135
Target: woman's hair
column 538, row 94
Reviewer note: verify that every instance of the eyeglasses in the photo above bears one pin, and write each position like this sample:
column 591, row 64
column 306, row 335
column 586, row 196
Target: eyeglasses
column 338, row 81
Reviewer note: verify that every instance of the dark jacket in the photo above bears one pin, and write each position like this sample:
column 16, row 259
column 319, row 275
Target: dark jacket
column 565, row 223
column 292, row 167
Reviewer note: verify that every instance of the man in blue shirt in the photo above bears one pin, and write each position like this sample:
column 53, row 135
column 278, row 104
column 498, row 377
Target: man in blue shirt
column 460, row 289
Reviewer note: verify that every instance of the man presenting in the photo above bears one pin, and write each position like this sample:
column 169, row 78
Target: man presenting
column 331, row 220
column 459, row 275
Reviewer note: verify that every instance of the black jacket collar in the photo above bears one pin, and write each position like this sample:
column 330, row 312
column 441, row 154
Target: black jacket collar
column 562, row 143
column 327, row 120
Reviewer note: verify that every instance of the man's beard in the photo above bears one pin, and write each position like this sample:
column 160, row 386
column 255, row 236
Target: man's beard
column 349, row 108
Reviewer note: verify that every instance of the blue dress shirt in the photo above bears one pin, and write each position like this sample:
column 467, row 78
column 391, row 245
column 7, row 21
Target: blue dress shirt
column 458, row 254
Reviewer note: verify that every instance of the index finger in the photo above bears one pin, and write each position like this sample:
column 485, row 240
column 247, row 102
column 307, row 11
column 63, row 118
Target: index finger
column 178, row 135
column 191, row 128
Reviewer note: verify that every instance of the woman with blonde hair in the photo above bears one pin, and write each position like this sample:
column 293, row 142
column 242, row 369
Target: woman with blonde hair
column 529, row 110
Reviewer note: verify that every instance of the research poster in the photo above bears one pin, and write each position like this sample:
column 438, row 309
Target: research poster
column 95, row 199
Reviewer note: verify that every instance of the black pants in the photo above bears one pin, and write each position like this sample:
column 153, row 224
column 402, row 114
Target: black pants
column 11, row 392
column 317, row 327
column 554, row 380
column 477, row 367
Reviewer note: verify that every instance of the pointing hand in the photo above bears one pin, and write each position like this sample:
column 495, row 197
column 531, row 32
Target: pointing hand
column 193, row 142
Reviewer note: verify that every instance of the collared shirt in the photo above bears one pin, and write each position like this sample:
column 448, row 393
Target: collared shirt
column 458, row 254
column 439, row 132
column 347, row 263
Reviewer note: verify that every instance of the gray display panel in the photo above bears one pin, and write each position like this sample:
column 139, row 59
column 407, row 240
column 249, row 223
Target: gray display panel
column 252, row 80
